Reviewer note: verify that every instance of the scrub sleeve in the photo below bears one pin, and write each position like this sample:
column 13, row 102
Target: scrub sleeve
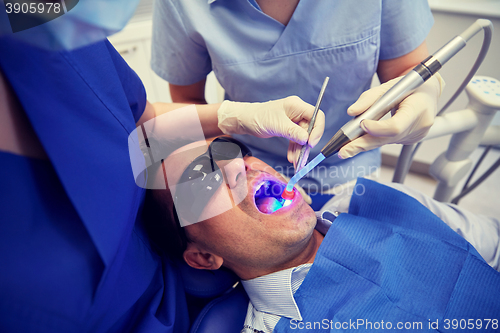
column 256, row 59
column 74, row 257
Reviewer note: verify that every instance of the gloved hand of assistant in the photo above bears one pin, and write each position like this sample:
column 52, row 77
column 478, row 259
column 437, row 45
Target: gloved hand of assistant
column 409, row 123
column 288, row 118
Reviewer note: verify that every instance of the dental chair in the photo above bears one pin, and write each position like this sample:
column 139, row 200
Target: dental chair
column 470, row 128
column 216, row 299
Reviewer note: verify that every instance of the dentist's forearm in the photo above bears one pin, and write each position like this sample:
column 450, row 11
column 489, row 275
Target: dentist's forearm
column 207, row 114
column 393, row 68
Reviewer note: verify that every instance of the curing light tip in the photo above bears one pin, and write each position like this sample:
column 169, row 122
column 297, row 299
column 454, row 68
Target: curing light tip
column 287, row 195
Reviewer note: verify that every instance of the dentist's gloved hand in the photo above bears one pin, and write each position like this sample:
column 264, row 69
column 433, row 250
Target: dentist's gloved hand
column 288, row 118
column 408, row 124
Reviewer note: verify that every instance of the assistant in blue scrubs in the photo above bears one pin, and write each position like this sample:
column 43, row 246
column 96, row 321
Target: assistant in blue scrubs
column 73, row 255
column 256, row 58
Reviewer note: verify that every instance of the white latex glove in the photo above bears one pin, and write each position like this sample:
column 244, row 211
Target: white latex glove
column 408, row 124
column 288, row 118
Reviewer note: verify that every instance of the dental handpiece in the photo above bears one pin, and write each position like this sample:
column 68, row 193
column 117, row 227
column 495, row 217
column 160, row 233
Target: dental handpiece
column 411, row 81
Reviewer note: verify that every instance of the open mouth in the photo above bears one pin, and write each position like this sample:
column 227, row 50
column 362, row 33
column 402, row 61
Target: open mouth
column 268, row 196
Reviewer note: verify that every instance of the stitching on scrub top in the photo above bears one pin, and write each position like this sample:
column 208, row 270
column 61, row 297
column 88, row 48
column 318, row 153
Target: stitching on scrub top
column 77, row 70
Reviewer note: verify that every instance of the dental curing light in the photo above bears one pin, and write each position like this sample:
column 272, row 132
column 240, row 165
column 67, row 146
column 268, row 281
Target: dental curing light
column 411, row 81
column 287, row 195
column 288, row 192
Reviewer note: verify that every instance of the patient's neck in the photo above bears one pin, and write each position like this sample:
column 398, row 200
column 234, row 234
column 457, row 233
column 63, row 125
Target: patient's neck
column 305, row 256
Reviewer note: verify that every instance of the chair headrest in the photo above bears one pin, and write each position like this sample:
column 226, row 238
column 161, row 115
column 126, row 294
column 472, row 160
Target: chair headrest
column 224, row 314
column 206, row 283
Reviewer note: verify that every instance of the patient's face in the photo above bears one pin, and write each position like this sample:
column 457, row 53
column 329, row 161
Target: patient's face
column 245, row 233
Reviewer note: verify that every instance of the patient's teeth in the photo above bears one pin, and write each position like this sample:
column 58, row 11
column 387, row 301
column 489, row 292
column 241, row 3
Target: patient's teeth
column 259, row 187
column 268, row 205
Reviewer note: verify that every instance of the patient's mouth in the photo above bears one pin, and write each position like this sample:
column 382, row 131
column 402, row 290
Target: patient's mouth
column 268, row 196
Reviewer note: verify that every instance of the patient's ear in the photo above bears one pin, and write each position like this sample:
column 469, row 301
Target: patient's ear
column 199, row 259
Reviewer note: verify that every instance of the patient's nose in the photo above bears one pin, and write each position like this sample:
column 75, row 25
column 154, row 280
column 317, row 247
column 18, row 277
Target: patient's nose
column 234, row 169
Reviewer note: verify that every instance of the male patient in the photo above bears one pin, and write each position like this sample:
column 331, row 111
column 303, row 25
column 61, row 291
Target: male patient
column 387, row 264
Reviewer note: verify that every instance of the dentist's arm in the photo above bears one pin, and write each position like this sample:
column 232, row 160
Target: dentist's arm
column 191, row 94
column 207, row 115
column 284, row 118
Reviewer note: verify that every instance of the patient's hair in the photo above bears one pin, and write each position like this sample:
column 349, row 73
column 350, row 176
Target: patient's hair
column 161, row 224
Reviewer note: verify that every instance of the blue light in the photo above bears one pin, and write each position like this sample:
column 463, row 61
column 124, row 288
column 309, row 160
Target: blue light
column 268, row 197
column 308, row 167
column 275, row 206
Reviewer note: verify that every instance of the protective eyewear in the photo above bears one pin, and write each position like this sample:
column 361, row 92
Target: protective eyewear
column 201, row 179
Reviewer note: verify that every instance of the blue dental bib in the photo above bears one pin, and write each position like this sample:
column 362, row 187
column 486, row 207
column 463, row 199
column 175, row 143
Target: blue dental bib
column 390, row 264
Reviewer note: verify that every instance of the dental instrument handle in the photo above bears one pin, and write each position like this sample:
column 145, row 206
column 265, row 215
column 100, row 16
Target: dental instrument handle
column 304, row 151
column 404, row 87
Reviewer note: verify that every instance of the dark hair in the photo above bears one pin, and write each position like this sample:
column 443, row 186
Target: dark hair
column 161, row 224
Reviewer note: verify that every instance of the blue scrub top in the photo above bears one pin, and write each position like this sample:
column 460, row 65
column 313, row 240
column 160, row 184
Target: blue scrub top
column 256, row 59
column 74, row 257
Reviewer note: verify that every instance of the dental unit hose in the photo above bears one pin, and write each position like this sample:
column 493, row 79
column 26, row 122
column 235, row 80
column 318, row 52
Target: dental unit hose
column 411, row 81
